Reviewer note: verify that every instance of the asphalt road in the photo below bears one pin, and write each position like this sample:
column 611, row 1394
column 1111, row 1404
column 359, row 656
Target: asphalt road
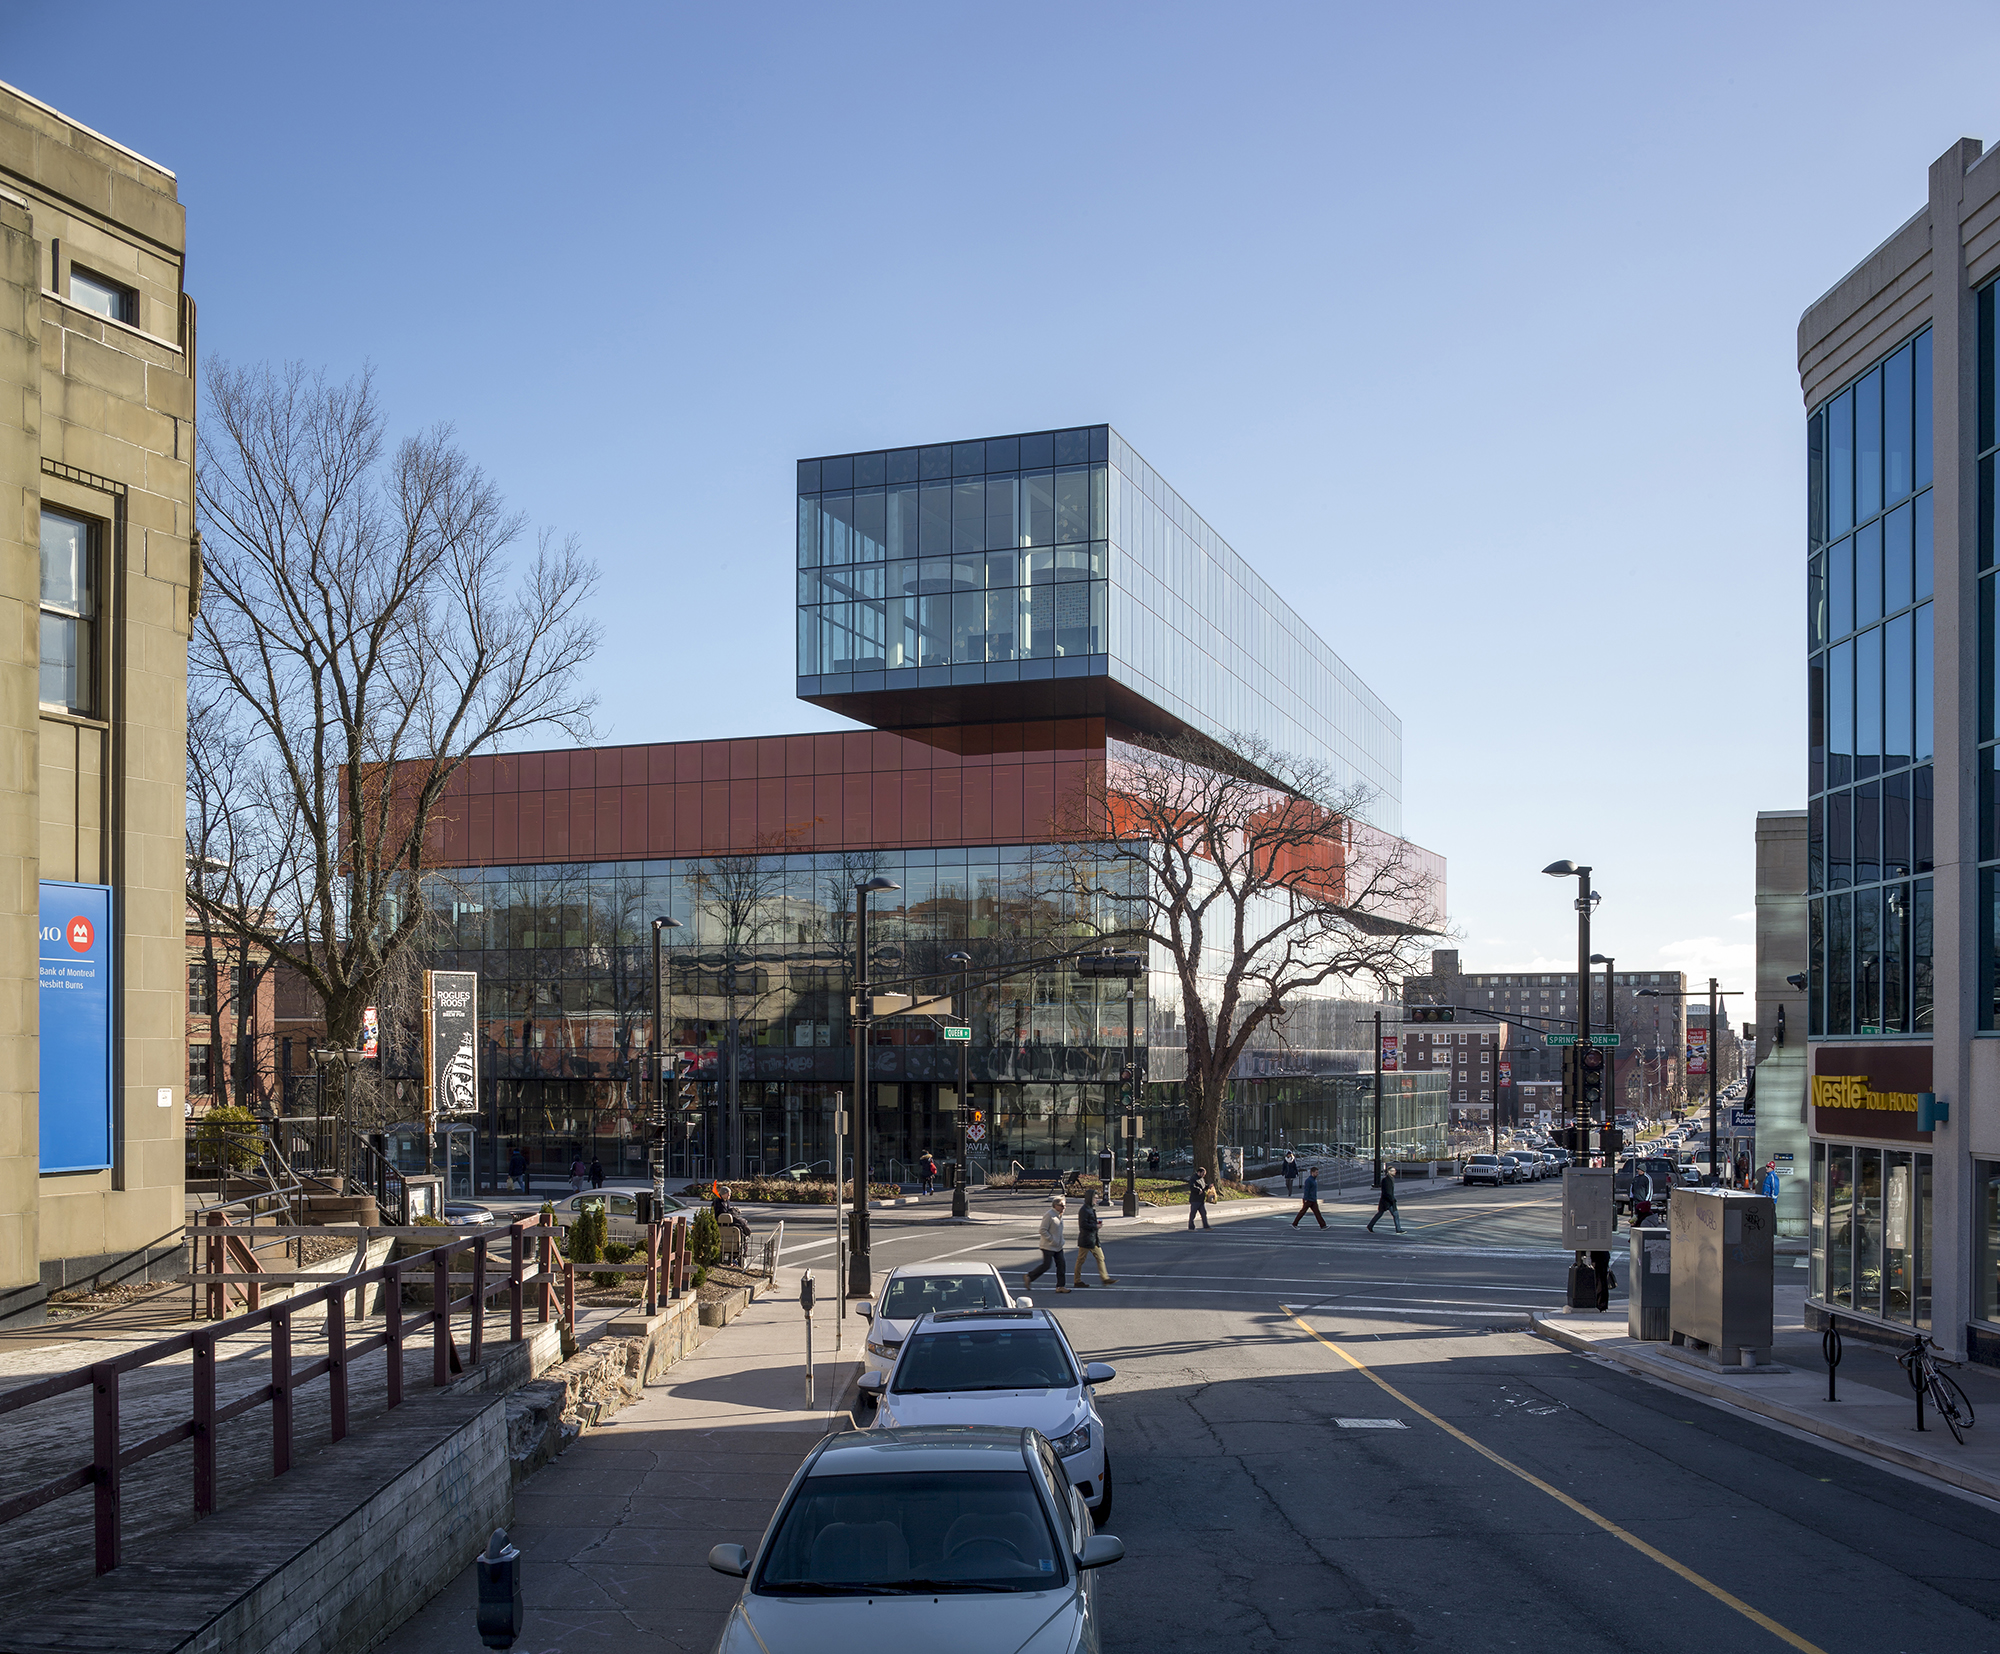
column 1393, row 1463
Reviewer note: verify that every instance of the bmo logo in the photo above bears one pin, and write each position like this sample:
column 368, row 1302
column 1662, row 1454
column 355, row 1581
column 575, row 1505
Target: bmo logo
column 78, row 933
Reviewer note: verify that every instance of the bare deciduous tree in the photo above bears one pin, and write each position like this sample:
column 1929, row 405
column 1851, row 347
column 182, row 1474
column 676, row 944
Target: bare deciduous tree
column 361, row 635
column 1255, row 874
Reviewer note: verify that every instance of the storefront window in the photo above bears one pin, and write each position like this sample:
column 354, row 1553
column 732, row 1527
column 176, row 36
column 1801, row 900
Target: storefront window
column 1868, row 1230
column 1923, row 1182
column 1816, row 1276
column 1986, row 1284
column 1898, row 1234
column 1871, row 1233
column 1840, row 1225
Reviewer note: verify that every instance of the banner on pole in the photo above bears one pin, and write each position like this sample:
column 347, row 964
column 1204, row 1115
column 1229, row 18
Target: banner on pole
column 451, row 1045
column 1389, row 1053
column 1697, row 1051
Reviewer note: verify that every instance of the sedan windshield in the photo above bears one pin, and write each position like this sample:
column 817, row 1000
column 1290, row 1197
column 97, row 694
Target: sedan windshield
column 910, row 1533
column 984, row 1358
column 912, row 1295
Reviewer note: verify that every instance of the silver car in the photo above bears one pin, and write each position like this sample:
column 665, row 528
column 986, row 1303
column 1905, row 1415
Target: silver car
column 921, row 1289
column 964, row 1537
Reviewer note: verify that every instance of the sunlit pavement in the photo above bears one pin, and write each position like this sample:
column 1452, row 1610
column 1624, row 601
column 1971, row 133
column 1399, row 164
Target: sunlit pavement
column 1487, row 1489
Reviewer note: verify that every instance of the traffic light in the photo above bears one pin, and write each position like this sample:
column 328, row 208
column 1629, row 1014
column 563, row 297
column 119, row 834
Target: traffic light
column 1593, row 1078
column 1430, row 1013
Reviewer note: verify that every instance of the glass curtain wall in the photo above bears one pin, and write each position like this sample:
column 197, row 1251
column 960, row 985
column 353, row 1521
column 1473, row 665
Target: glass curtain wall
column 1869, row 701
column 954, row 555
column 1196, row 631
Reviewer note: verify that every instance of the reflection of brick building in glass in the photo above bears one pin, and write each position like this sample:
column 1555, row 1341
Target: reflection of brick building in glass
column 1007, row 652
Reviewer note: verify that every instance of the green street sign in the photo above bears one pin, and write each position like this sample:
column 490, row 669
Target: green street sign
column 1559, row 1039
column 1604, row 1039
column 957, row 1033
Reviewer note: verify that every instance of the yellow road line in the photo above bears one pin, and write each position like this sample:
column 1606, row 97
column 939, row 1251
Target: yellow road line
column 1581, row 1509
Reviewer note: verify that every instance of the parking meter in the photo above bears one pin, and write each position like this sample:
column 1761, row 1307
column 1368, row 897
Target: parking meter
column 499, row 1592
column 806, row 1304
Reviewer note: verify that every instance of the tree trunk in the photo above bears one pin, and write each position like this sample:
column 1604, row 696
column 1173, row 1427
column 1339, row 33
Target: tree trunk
column 1205, row 1120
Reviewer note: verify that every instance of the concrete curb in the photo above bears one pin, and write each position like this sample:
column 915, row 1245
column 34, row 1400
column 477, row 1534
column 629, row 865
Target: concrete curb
column 1745, row 1397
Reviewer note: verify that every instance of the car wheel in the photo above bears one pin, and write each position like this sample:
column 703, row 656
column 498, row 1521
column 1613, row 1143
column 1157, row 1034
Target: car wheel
column 1100, row 1513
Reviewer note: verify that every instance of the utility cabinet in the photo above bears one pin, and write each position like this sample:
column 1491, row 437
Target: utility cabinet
column 1723, row 1251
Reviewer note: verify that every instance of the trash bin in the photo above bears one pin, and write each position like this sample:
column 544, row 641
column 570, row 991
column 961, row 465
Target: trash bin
column 1723, row 1250
column 1650, row 1276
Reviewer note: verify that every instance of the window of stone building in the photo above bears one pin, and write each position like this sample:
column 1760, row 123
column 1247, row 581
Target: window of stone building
column 69, row 606
column 201, row 1082
column 108, row 298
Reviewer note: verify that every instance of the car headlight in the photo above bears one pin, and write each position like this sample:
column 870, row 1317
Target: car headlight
column 884, row 1347
column 1077, row 1441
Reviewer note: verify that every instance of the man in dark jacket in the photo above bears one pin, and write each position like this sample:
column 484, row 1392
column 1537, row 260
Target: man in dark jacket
column 1198, row 1197
column 1312, row 1197
column 1385, row 1203
column 1291, row 1169
column 1087, row 1243
column 596, row 1172
column 517, row 1170
column 1153, row 1162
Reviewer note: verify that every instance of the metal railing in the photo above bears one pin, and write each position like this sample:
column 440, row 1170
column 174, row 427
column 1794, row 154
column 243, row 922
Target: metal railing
column 532, row 1263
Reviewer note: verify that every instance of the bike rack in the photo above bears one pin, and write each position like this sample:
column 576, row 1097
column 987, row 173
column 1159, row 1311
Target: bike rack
column 1829, row 1344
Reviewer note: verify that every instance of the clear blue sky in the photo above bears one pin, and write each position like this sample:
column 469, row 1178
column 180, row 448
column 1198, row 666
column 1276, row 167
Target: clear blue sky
column 1472, row 327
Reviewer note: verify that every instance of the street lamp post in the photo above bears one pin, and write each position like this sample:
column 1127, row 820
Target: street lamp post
column 1582, row 1276
column 657, row 1124
column 958, row 1183
column 860, row 1282
column 1131, row 1143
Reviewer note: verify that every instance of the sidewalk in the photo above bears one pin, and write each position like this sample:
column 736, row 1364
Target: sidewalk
column 615, row 1534
column 1871, row 1417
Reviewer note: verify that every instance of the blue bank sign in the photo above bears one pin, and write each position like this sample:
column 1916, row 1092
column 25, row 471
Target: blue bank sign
column 75, row 1001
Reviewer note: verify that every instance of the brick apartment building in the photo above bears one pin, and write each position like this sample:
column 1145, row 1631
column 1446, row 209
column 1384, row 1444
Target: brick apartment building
column 1652, row 1027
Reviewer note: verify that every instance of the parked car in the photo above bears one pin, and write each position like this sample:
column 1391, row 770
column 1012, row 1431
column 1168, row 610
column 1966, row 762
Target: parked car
column 1656, row 1167
column 920, row 1289
column 1484, row 1168
column 467, row 1213
column 1007, row 1367
column 621, row 1212
column 967, row 1539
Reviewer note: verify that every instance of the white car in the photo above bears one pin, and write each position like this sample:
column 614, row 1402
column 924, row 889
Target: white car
column 621, row 1213
column 1007, row 1367
column 922, row 1289
column 971, row 1540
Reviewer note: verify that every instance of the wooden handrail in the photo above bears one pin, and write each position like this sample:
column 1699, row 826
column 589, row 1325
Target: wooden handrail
column 110, row 1458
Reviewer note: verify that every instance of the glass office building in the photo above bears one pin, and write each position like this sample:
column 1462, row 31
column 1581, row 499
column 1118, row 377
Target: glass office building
column 1007, row 614
column 1898, row 367
column 1056, row 574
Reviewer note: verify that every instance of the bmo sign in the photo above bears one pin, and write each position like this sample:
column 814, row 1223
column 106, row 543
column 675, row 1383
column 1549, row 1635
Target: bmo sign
column 74, row 999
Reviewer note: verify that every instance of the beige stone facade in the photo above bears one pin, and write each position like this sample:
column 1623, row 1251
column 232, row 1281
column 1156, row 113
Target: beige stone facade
column 97, row 428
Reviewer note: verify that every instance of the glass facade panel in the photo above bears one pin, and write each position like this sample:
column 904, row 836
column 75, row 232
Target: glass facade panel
column 1870, row 702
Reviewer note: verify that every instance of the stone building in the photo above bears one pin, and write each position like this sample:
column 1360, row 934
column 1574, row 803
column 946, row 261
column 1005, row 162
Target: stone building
column 97, row 554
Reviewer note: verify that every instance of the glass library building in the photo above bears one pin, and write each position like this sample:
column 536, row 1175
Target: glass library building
column 1004, row 617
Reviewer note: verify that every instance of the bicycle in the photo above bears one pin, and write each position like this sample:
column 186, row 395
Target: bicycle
column 1921, row 1362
